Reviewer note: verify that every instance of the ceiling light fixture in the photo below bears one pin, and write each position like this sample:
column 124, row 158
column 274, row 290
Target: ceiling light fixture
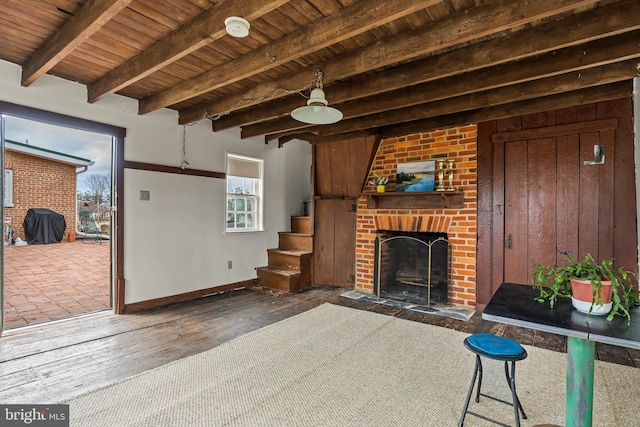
column 236, row 26
column 317, row 111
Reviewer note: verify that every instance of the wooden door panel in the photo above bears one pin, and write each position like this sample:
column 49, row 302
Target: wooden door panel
column 608, row 229
column 334, row 242
column 497, row 222
column 606, row 197
column 344, row 238
column 555, row 203
column 515, row 212
column 589, row 193
column 568, row 184
column 323, row 242
column 541, row 203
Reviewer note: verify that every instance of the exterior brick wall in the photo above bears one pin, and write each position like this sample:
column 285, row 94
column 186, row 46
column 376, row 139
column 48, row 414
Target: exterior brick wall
column 40, row 183
column 458, row 144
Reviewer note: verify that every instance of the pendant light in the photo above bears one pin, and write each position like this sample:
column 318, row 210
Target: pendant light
column 317, row 111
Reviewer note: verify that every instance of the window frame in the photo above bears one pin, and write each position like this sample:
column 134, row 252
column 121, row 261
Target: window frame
column 258, row 196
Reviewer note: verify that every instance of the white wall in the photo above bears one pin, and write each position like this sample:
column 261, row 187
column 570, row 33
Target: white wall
column 174, row 243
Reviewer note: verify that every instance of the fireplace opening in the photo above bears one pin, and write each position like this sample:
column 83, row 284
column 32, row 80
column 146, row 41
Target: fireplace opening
column 412, row 267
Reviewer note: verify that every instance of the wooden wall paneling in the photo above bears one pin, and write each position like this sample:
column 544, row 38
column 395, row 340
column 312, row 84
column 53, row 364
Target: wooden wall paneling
column 344, row 239
column 339, row 162
column 357, row 170
column 536, row 120
column 585, row 113
column 625, row 226
column 566, row 115
column 589, row 197
column 568, row 181
column 498, row 209
column 340, row 167
column 569, row 170
column 372, row 143
column 485, row 213
column 324, row 242
column 541, row 186
column 322, row 169
column 516, row 209
column 606, row 207
column 509, row 124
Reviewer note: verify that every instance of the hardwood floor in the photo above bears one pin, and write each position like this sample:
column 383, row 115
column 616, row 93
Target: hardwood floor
column 57, row 361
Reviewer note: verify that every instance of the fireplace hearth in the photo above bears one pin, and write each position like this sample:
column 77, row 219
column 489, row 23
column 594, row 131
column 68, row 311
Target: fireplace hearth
column 412, row 267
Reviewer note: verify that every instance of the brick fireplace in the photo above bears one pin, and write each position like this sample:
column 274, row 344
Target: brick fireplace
column 457, row 220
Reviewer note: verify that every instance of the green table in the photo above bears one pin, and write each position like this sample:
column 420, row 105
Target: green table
column 514, row 304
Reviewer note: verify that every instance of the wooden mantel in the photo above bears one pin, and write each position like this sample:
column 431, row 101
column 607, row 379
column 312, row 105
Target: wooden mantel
column 416, row 200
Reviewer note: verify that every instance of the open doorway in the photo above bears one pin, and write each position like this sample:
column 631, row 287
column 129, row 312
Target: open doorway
column 54, row 266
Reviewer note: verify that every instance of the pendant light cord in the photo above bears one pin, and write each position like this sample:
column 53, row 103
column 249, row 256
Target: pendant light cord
column 317, row 82
column 184, row 163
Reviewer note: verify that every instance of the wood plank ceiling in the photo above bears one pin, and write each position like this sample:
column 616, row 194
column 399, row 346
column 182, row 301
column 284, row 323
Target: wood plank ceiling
column 392, row 67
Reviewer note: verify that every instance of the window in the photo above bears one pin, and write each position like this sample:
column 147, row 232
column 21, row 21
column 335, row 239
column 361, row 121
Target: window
column 244, row 193
column 8, row 187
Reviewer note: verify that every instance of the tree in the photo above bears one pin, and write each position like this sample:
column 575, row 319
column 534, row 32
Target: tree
column 99, row 188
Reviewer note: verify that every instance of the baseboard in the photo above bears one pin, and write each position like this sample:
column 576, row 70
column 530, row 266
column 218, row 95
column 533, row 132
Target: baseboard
column 159, row 302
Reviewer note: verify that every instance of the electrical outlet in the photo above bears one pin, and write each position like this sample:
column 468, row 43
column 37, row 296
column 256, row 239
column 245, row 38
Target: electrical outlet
column 229, row 265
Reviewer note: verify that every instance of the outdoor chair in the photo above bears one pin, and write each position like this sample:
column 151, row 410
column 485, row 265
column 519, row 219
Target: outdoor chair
column 89, row 226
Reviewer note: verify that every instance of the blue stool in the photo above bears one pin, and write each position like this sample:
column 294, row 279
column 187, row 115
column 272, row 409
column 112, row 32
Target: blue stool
column 497, row 348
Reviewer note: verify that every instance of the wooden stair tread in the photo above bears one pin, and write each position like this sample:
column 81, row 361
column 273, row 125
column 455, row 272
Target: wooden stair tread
column 292, row 233
column 280, row 271
column 290, row 264
column 294, row 252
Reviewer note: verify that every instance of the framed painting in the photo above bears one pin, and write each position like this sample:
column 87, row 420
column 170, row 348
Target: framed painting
column 416, row 176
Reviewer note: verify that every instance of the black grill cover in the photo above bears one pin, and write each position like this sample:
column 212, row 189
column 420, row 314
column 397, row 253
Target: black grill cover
column 43, row 226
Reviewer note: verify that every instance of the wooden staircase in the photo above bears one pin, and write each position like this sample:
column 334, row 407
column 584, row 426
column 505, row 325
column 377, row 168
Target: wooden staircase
column 290, row 264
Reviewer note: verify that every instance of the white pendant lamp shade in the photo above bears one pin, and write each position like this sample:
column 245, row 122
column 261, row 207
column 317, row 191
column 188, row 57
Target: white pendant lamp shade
column 236, row 26
column 316, row 112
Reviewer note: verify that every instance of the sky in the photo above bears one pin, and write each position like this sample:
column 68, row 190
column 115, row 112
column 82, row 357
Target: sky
column 88, row 145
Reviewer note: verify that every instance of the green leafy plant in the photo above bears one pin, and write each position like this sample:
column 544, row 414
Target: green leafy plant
column 553, row 282
column 379, row 180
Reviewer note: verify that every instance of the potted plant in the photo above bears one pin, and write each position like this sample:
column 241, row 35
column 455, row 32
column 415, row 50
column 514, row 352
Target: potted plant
column 379, row 182
column 608, row 290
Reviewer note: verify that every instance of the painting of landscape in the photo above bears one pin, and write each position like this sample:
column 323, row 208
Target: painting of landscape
column 416, row 176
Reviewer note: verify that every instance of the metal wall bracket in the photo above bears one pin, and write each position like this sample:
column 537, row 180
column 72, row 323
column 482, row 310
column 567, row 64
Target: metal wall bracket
column 598, row 156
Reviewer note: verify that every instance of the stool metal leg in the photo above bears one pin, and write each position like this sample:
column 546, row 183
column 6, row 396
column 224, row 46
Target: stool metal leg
column 478, row 367
column 511, row 380
column 479, row 379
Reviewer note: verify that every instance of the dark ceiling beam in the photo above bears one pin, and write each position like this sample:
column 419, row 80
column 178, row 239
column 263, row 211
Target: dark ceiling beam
column 356, row 19
column 599, row 76
column 623, row 89
column 481, row 21
column 317, row 139
column 572, row 59
column 572, row 81
column 191, row 36
column 82, row 25
column 590, row 25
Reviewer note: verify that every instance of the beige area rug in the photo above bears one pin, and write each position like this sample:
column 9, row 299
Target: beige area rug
column 336, row 366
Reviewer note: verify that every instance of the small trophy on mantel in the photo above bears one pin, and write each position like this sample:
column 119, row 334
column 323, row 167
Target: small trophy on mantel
column 445, row 171
column 450, row 188
column 441, row 174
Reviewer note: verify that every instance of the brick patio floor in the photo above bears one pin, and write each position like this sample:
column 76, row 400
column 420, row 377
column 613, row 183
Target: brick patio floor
column 43, row 283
